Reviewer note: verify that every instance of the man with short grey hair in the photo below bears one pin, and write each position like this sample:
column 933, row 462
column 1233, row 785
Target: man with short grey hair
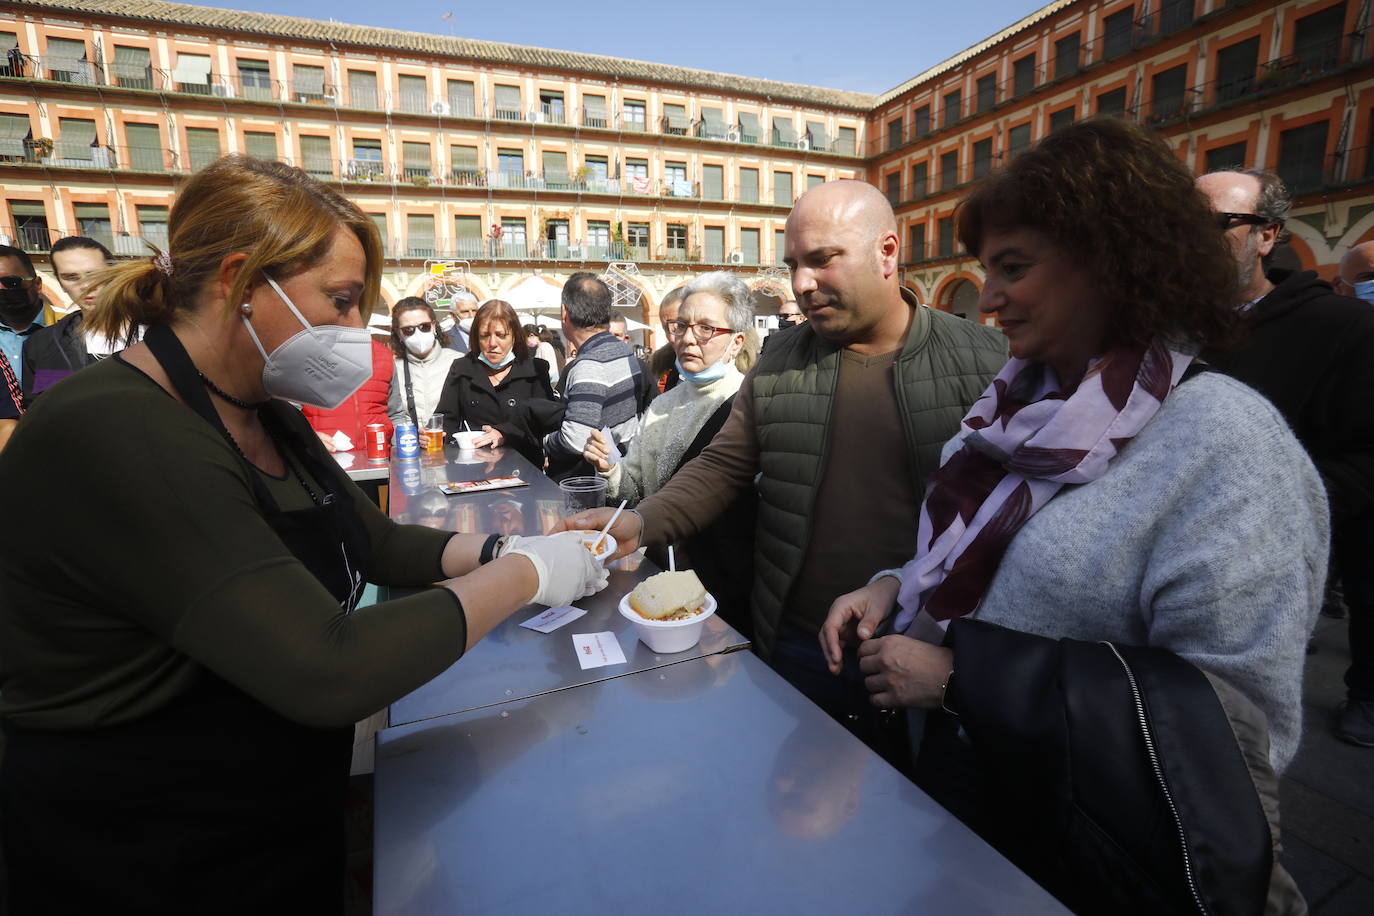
column 790, row 313
column 603, row 384
column 1357, row 272
column 1310, row 352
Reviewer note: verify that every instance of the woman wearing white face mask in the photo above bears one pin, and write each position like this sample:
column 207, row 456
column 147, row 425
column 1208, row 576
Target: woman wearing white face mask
column 501, row 388
column 707, row 336
column 179, row 704
column 423, row 358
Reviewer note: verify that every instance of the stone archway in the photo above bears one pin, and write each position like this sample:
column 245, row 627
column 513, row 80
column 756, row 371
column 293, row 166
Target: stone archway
column 961, row 298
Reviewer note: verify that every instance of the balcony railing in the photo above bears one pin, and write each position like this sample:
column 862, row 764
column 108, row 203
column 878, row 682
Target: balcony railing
column 30, row 238
column 1310, row 63
column 519, row 249
column 84, row 156
column 256, row 85
column 39, row 239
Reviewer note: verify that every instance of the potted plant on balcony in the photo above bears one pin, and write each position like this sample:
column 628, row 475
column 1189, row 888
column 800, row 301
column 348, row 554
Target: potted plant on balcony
column 42, row 147
column 420, row 181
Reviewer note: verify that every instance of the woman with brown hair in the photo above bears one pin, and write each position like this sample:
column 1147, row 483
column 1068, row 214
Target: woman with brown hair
column 423, row 359
column 1110, row 520
column 500, row 388
column 178, row 702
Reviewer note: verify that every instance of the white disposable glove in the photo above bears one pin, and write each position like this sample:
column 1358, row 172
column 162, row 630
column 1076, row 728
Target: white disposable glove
column 566, row 569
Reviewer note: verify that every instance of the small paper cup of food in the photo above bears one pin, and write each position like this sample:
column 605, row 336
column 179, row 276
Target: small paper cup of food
column 467, row 439
column 588, row 539
column 668, row 636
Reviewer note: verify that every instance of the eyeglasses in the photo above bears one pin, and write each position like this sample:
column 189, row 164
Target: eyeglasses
column 1227, row 220
column 14, row 282
column 702, row 332
column 424, row 327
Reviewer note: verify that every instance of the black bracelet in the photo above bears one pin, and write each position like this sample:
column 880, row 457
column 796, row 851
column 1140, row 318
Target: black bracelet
column 488, row 550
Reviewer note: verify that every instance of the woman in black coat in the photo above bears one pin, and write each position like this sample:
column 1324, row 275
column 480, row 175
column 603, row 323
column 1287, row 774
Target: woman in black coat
column 500, row 388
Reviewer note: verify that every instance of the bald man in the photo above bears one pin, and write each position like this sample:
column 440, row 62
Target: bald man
column 1311, row 352
column 842, row 420
column 1357, row 272
column 663, row 363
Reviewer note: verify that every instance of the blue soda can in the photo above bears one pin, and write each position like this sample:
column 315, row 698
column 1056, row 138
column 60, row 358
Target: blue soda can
column 409, row 474
column 407, row 441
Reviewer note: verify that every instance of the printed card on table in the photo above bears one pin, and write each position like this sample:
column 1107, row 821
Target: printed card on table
column 596, row 650
column 553, row 618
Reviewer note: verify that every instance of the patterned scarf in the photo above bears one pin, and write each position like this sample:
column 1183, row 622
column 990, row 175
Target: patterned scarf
column 1022, row 441
column 16, row 393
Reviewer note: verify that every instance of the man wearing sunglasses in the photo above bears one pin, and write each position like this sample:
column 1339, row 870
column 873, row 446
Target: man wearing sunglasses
column 1310, row 352
column 21, row 305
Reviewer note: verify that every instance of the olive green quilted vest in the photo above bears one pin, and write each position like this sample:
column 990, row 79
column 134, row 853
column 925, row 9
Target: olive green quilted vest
column 945, row 366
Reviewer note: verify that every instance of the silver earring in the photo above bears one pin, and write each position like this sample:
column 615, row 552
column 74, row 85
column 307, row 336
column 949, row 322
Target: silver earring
column 246, row 308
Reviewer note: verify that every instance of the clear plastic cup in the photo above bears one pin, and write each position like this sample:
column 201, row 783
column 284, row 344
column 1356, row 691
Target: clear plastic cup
column 582, row 493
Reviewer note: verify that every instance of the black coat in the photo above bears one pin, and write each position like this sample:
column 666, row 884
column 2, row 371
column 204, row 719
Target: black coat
column 523, row 407
column 1052, row 759
column 1311, row 352
column 58, row 348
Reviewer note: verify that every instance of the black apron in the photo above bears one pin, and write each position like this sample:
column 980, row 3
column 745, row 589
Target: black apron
column 215, row 803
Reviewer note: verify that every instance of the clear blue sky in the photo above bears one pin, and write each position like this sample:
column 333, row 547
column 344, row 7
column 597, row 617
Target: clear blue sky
column 863, row 45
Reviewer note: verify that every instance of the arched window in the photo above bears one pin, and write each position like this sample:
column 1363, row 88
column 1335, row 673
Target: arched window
column 962, row 297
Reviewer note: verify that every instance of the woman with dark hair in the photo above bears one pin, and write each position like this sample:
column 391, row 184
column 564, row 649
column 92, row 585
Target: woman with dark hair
column 1129, row 523
column 500, row 388
column 423, row 359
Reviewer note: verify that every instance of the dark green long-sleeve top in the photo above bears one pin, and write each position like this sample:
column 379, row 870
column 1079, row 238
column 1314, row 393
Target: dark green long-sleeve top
column 136, row 556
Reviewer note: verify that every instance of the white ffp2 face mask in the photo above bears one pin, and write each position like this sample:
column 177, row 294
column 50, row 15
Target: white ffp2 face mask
column 321, row 365
column 1364, row 289
column 420, row 343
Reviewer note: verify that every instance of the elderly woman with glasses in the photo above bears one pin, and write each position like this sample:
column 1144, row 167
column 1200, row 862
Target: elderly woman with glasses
column 423, row 358
column 707, row 335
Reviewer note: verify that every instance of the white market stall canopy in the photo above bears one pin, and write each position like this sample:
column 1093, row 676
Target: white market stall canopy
column 535, row 295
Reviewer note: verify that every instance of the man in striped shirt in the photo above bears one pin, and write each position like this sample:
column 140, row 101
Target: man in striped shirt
column 602, row 385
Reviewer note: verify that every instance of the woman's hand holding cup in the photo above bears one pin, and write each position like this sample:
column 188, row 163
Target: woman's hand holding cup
column 598, row 454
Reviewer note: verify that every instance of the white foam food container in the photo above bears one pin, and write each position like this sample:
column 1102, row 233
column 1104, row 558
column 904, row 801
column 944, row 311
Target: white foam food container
column 668, row 636
column 589, row 537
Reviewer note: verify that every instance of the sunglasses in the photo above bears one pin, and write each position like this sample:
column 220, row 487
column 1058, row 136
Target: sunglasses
column 13, row 282
column 1227, row 220
column 424, row 327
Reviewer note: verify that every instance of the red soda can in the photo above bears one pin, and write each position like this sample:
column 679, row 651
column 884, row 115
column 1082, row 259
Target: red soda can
column 376, row 441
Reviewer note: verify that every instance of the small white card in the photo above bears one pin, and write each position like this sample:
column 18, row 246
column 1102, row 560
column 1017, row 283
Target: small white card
column 596, row 650
column 614, row 458
column 341, row 441
column 553, row 618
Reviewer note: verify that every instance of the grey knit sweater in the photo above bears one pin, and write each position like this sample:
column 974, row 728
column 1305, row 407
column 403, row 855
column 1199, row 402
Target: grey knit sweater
column 601, row 391
column 1207, row 536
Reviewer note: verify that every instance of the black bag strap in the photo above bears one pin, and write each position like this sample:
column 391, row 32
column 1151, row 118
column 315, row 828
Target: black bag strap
column 410, row 390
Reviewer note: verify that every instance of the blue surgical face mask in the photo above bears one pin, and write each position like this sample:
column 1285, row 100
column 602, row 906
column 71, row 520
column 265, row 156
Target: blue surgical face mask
column 1364, row 289
column 509, row 358
column 710, row 374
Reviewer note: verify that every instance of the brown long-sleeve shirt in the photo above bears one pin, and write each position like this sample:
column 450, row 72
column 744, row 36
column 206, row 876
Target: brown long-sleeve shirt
column 864, row 514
